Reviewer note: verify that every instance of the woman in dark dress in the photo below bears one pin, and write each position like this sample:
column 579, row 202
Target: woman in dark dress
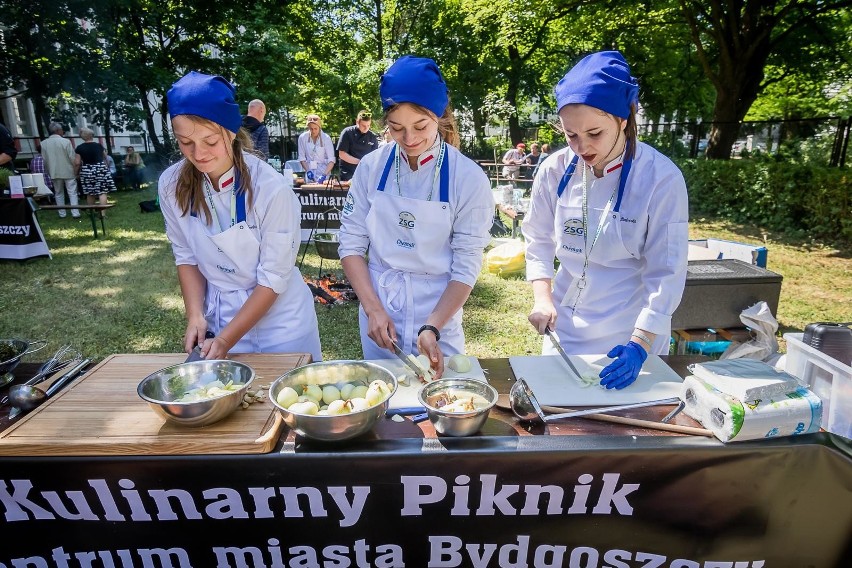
column 95, row 179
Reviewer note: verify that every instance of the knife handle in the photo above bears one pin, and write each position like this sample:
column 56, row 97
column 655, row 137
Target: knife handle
column 67, row 377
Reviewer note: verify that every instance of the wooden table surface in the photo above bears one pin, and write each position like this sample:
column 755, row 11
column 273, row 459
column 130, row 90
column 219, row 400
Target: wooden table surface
column 101, row 414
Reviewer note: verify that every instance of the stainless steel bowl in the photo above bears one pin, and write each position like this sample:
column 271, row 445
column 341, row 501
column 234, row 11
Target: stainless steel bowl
column 342, row 426
column 457, row 423
column 163, row 388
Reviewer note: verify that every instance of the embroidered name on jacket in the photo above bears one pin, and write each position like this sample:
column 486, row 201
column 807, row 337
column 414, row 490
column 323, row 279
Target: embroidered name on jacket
column 15, row 230
column 627, row 220
column 404, row 244
column 573, row 227
column 349, row 205
column 406, row 220
column 226, row 270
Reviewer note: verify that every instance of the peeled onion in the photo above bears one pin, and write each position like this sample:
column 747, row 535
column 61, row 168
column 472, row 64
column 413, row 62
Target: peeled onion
column 459, row 363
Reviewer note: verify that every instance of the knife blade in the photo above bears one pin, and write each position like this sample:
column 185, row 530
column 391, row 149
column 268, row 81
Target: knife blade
column 407, row 359
column 195, row 354
column 555, row 341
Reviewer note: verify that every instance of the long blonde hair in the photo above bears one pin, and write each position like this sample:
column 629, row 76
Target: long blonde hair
column 189, row 190
column 448, row 128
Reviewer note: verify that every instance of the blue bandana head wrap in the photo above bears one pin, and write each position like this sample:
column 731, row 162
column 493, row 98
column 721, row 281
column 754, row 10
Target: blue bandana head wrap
column 207, row 96
column 414, row 80
column 601, row 80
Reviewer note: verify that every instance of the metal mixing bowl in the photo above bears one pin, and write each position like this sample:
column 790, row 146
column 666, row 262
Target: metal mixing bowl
column 457, row 423
column 163, row 388
column 342, row 426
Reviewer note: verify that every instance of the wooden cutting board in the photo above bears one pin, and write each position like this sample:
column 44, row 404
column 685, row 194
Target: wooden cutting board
column 554, row 384
column 101, row 414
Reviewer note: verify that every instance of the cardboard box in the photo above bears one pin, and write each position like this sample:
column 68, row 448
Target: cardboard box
column 704, row 249
column 717, row 291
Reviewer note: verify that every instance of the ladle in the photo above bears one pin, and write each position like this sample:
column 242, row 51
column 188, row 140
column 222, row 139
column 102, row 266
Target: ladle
column 26, row 397
column 63, row 357
column 526, row 407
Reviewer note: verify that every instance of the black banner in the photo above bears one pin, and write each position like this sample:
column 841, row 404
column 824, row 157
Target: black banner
column 321, row 207
column 20, row 233
column 605, row 502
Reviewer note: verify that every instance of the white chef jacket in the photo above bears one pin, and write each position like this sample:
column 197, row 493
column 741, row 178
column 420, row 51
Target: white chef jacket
column 469, row 209
column 316, row 154
column 264, row 252
column 637, row 268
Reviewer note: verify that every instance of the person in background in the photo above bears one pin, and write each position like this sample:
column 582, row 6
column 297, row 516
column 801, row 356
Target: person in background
column 91, row 162
column 545, row 152
column 253, row 123
column 233, row 225
column 614, row 212
column 513, row 158
column 356, row 142
column 113, row 171
column 133, row 166
column 7, row 149
column 533, row 157
column 60, row 163
column 37, row 166
column 423, row 210
column 316, row 150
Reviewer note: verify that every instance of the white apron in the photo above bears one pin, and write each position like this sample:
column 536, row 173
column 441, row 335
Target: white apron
column 228, row 260
column 410, row 264
column 603, row 313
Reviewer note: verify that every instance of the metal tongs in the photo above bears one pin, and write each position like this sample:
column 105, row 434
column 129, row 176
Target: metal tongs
column 408, row 360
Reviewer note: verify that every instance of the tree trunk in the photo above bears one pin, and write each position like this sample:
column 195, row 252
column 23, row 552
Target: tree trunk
column 149, row 122
column 512, row 88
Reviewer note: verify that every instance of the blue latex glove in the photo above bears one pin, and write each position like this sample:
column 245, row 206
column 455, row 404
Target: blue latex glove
column 321, row 179
column 624, row 370
column 309, row 175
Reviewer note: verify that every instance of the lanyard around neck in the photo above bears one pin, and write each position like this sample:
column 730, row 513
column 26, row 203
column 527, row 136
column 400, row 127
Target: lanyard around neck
column 587, row 249
column 207, row 188
column 441, row 154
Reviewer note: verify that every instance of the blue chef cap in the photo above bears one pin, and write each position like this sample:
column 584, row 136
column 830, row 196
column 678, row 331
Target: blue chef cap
column 207, row 96
column 414, row 80
column 601, row 80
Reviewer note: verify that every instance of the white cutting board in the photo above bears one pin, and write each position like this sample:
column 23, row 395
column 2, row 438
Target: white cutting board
column 553, row 383
column 406, row 396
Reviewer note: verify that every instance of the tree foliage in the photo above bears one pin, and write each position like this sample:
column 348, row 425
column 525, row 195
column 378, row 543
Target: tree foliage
column 114, row 60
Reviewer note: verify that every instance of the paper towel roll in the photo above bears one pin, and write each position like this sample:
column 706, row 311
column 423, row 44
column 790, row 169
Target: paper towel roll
column 732, row 420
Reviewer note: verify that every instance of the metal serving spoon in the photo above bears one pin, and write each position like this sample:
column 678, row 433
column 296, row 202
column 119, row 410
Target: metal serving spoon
column 526, row 407
column 26, row 397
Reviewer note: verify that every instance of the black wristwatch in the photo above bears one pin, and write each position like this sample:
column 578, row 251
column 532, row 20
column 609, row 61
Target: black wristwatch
column 431, row 328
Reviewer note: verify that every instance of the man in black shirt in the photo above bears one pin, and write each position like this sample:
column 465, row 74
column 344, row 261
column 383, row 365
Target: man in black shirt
column 355, row 142
column 7, row 149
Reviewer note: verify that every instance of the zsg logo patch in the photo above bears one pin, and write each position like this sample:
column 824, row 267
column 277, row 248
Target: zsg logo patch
column 573, row 227
column 406, row 220
column 349, row 205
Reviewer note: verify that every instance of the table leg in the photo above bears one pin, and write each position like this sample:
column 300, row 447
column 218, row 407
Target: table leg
column 103, row 226
column 94, row 223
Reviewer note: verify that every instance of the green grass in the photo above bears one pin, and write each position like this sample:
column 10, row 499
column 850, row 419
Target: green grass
column 120, row 294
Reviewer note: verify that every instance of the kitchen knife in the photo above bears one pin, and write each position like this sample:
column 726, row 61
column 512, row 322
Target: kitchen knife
column 555, row 341
column 407, row 359
column 195, row 354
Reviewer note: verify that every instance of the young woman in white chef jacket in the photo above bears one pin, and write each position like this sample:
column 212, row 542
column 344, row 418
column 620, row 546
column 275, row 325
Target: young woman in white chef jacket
column 422, row 211
column 234, row 229
column 613, row 211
